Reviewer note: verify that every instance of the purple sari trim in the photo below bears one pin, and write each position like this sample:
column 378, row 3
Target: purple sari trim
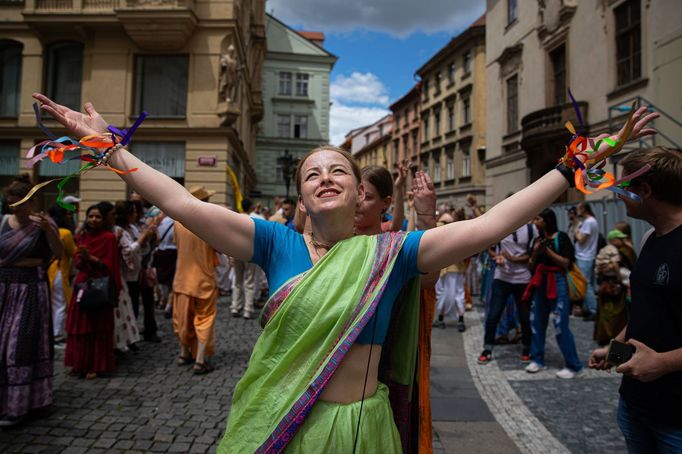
column 16, row 243
column 388, row 246
column 278, row 298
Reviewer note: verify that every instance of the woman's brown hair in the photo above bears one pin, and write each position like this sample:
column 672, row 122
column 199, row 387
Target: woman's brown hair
column 380, row 178
column 19, row 187
column 349, row 157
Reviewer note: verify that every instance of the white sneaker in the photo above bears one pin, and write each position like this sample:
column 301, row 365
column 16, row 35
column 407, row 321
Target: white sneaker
column 534, row 367
column 566, row 373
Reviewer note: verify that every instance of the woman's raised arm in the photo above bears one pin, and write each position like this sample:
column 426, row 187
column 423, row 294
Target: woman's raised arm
column 225, row 230
column 454, row 242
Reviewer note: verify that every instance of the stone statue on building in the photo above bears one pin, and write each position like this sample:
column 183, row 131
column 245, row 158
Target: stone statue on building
column 229, row 75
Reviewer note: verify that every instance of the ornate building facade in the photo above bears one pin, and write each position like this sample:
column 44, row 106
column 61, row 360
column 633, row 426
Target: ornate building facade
column 296, row 100
column 194, row 66
column 610, row 53
column 453, row 116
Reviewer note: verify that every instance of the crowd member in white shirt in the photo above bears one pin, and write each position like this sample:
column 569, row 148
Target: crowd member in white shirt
column 586, row 241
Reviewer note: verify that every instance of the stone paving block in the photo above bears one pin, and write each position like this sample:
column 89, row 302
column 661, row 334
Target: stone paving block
column 82, row 442
column 52, row 450
column 179, row 447
column 164, row 438
column 74, row 450
column 124, row 444
column 104, row 443
column 34, row 448
column 198, row 448
column 160, row 447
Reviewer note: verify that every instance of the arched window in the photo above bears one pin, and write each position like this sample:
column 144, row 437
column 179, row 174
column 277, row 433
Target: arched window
column 10, row 77
column 64, row 73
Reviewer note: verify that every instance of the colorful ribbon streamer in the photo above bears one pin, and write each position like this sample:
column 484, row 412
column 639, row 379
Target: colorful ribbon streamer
column 235, row 188
column 90, row 149
column 595, row 177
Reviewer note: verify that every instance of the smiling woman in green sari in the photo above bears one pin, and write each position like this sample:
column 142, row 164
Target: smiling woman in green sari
column 312, row 381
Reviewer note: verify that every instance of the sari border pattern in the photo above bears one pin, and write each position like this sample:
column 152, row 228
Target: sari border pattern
column 278, row 298
column 388, row 246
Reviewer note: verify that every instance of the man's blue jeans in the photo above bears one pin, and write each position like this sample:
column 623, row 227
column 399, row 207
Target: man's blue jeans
column 541, row 310
column 644, row 436
column 498, row 301
column 587, row 268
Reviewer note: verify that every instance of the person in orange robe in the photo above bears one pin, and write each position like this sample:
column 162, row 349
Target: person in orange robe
column 195, row 295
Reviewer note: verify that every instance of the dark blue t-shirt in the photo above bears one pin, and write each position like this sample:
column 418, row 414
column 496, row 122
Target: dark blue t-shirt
column 282, row 253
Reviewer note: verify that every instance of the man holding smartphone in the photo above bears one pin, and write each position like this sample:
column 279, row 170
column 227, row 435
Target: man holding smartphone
column 650, row 407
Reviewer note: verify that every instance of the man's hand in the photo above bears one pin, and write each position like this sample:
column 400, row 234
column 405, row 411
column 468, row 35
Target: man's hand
column 80, row 124
column 598, row 359
column 645, row 365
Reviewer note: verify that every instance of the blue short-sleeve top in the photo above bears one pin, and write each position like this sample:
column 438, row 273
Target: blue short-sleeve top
column 282, row 253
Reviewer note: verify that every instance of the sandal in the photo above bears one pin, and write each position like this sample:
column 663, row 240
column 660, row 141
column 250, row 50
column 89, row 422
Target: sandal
column 203, row 368
column 184, row 360
column 91, row 375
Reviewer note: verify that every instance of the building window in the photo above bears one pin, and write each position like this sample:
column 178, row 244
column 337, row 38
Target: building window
column 558, row 60
column 10, row 78
column 450, row 167
column 425, row 165
column 466, row 164
column 396, row 120
column 436, row 168
column 406, row 119
column 466, row 111
column 425, row 89
column 9, row 158
column 64, row 74
column 466, row 65
column 512, row 11
column 166, row 157
column 302, row 84
column 436, row 81
column 300, row 126
column 415, row 143
column 285, row 84
column 283, row 125
column 436, row 117
column 451, row 117
column 451, row 72
column 513, row 103
column 161, row 85
column 426, row 128
column 406, row 147
column 628, row 42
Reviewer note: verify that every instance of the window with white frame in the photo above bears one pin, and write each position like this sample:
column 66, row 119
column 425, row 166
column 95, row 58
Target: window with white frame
column 436, row 115
column 466, row 163
column 285, row 83
column 450, row 166
column 512, row 11
column 451, row 117
column 426, row 128
column 10, row 77
column 283, row 125
column 436, row 168
column 300, row 126
column 302, row 84
column 466, row 62
column 466, row 111
column 451, row 72
column 628, row 42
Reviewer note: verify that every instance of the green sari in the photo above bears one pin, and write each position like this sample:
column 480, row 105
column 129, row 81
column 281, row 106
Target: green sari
column 310, row 324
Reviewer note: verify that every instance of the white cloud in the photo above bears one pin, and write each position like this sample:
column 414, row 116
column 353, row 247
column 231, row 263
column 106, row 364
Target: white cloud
column 344, row 118
column 357, row 100
column 397, row 17
column 359, row 88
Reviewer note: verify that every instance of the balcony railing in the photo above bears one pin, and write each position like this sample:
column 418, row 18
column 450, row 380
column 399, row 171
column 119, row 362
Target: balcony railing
column 80, row 6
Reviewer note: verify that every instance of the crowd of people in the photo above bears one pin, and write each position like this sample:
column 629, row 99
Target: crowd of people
column 353, row 292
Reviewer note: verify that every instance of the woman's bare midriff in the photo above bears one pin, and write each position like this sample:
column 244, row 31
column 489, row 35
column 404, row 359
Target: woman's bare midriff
column 346, row 385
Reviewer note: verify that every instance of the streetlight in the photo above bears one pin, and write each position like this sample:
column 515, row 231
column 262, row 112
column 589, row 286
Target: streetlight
column 287, row 163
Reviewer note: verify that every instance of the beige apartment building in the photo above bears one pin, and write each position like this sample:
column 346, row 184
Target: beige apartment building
column 372, row 144
column 609, row 53
column 406, row 123
column 195, row 66
column 453, row 116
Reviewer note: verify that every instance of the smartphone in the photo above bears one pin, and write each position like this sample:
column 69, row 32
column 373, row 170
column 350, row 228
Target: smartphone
column 619, row 352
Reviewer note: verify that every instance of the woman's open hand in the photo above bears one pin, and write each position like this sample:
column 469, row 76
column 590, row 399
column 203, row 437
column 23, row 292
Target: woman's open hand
column 640, row 120
column 81, row 124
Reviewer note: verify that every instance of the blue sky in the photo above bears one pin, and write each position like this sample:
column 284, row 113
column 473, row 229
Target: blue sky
column 380, row 45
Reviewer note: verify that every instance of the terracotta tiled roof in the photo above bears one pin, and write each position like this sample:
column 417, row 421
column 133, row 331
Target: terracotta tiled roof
column 313, row 36
column 479, row 22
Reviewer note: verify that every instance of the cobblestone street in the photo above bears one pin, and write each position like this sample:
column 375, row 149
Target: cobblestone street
column 148, row 404
column 151, row 405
